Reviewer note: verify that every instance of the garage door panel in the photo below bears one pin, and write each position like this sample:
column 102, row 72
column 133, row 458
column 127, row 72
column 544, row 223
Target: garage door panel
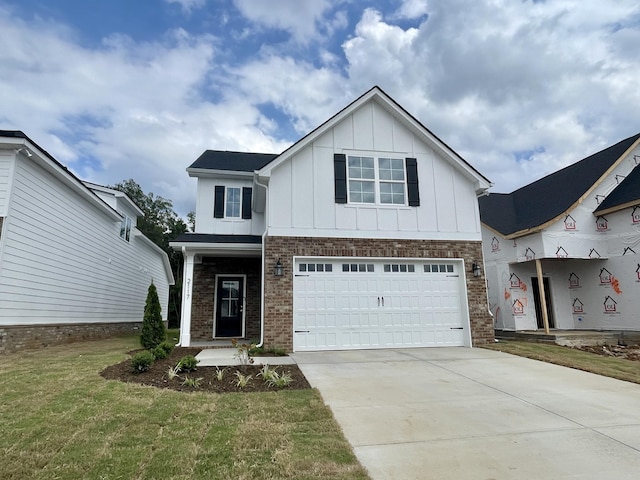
column 366, row 306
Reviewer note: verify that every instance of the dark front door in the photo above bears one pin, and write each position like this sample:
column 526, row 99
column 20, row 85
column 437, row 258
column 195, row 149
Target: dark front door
column 538, row 302
column 229, row 306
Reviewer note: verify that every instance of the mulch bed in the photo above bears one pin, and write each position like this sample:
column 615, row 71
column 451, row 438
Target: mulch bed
column 628, row 352
column 156, row 376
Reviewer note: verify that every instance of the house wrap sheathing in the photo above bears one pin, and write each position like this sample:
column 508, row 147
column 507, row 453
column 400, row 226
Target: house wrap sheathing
column 569, row 242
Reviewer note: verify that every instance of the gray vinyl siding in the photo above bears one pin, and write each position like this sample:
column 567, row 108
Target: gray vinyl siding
column 64, row 261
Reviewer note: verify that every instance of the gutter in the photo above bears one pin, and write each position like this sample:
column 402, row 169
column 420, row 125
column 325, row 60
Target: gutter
column 256, row 179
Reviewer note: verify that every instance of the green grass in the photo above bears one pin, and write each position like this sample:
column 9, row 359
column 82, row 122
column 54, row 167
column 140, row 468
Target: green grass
column 619, row 368
column 61, row 420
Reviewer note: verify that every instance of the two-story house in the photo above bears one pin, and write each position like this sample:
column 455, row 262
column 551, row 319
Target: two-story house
column 73, row 265
column 573, row 240
column 363, row 234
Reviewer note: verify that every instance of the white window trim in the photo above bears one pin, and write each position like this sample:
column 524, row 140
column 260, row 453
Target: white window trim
column 125, row 232
column 226, row 197
column 376, row 180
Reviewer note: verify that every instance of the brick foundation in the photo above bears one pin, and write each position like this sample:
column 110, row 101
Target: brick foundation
column 279, row 290
column 23, row 337
column 203, row 294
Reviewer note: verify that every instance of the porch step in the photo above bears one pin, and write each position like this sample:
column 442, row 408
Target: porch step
column 571, row 338
column 222, row 357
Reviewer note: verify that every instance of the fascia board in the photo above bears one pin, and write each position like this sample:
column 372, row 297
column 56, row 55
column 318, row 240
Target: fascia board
column 616, row 208
column 118, row 194
column 377, row 95
column 204, row 247
column 165, row 257
column 585, row 195
column 63, row 175
column 210, row 173
column 317, row 132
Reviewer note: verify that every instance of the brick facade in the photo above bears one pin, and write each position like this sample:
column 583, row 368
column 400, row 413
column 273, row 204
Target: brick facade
column 21, row 337
column 278, row 312
column 203, row 294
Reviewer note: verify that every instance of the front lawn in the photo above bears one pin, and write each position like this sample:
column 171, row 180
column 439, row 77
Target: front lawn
column 60, row 419
column 619, row 368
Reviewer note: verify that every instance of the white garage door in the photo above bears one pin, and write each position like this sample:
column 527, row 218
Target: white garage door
column 343, row 304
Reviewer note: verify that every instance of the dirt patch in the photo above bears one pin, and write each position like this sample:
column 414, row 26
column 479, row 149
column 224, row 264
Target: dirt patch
column 628, row 352
column 157, row 375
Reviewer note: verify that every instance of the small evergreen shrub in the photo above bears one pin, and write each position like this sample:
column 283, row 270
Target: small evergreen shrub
column 167, row 346
column 142, row 361
column 159, row 353
column 188, row 363
column 153, row 331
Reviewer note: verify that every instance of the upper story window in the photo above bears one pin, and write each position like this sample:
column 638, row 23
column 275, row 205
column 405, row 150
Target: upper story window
column 232, row 202
column 125, row 228
column 376, row 180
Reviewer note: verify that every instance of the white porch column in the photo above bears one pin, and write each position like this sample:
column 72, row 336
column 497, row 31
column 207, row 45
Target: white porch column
column 187, row 287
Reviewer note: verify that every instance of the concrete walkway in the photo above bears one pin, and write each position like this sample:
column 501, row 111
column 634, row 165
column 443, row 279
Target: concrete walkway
column 218, row 357
column 456, row 413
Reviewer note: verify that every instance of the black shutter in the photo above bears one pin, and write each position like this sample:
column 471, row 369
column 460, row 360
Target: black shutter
column 246, row 202
column 413, row 193
column 340, row 177
column 218, row 202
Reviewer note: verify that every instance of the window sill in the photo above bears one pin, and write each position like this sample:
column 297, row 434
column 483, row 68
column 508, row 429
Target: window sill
column 371, row 206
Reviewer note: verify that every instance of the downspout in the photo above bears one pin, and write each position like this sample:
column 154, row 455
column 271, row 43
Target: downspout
column 256, row 179
column 485, row 193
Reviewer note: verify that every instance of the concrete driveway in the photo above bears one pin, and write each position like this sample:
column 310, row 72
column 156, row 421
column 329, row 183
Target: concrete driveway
column 458, row 413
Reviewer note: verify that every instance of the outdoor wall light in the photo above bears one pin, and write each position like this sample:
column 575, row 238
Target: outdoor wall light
column 475, row 268
column 278, row 270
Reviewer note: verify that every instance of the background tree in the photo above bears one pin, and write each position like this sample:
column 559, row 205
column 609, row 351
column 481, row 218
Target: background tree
column 153, row 331
column 161, row 224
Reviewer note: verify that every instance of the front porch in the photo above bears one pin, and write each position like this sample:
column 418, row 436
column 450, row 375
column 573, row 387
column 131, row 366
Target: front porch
column 571, row 338
column 222, row 289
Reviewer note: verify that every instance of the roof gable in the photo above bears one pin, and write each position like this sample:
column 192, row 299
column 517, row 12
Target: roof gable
column 381, row 98
column 628, row 192
column 542, row 201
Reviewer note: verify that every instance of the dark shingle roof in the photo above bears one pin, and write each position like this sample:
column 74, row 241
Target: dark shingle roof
column 213, row 238
column 543, row 200
column 234, row 161
column 13, row 133
column 628, row 191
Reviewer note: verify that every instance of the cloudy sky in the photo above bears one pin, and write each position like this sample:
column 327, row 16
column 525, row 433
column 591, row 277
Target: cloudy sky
column 119, row 89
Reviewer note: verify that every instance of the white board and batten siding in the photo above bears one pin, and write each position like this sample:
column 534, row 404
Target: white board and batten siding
column 205, row 221
column 63, row 260
column 301, row 189
column 364, row 303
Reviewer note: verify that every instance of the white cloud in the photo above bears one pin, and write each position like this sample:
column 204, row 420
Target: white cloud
column 127, row 110
column 550, row 82
column 301, row 18
column 494, row 78
column 189, row 5
column 412, row 9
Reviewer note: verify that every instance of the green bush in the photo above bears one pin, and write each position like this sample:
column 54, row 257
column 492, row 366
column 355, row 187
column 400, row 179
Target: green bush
column 142, row 361
column 153, row 331
column 167, row 346
column 159, row 352
column 188, row 363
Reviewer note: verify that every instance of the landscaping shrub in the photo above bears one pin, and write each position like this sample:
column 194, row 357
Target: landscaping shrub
column 159, row 353
column 167, row 346
column 153, row 331
column 188, row 363
column 142, row 361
